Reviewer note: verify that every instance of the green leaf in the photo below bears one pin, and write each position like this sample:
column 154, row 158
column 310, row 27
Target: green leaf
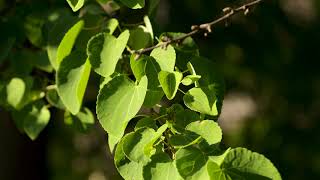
column 54, row 99
column 104, row 51
column 72, row 78
column 161, row 167
column 33, row 119
column 191, row 163
column 241, row 163
column 118, row 102
column 138, row 146
column 207, row 129
column 67, row 43
column 134, row 4
column 185, row 49
column 57, row 33
column 184, row 140
column 127, row 169
column 81, row 121
column 148, row 24
column 33, row 25
column 165, row 57
column 183, row 118
column 202, row 100
column 146, row 122
column 111, row 25
column 140, row 37
column 190, row 79
column 218, row 159
column 75, row 4
column 211, row 77
column 148, row 66
column 169, row 82
column 15, row 92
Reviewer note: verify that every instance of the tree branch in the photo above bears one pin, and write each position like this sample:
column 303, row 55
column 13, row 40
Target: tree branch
column 206, row 27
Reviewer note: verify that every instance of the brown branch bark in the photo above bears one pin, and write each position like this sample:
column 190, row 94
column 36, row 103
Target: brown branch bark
column 206, row 27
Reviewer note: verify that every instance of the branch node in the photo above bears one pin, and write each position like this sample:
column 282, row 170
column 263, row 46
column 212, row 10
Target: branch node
column 194, row 27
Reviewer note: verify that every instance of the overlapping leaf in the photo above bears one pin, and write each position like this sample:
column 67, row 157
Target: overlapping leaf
column 67, row 43
column 207, row 129
column 169, row 82
column 118, row 102
column 241, row 163
column 81, row 121
column 72, row 78
column 104, row 51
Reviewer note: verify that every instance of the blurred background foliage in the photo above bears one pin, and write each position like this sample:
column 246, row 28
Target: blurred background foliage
column 269, row 59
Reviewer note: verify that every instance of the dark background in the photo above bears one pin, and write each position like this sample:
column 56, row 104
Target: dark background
column 270, row 61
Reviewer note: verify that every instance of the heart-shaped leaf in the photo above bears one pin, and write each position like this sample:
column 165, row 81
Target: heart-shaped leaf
column 104, row 51
column 72, row 78
column 33, row 118
column 169, row 82
column 139, row 38
column 165, row 57
column 190, row 79
column 241, row 163
column 118, row 102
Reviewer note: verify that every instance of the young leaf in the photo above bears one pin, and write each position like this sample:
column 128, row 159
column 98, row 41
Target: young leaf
column 67, row 43
column 81, row 121
column 32, row 119
column 72, row 78
column 75, row 4
column 104, row 51
column 170, row 82
column 127, row 169
column 207, row 129
column 165, row 57
column 118, row 102
column 202, row 100
column 190, row 79
column 241, row 163
column 161, row 167
column 191, row 164
column 134, row 4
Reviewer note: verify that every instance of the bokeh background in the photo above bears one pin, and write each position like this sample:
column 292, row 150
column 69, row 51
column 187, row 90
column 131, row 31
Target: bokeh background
column 270, row 60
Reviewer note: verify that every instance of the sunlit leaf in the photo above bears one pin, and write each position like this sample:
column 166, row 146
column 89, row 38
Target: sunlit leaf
column 118, row 102
column 202, row 100
column 72, row 78
column 169, row 82
column 104, row 51
column 165, row 57
column 81, row 121
column 241, row 163
column 207, row 129
column 75, row 4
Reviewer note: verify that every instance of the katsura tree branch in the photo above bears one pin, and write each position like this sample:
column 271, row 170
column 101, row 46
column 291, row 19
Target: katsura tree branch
column 206, row 27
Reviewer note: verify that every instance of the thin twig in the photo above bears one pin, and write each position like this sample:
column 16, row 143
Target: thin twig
column 206, row 27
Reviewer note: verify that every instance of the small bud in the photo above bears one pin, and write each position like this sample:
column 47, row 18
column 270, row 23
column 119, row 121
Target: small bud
column 226, row 9
column 246, row 12
column 194, row 27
